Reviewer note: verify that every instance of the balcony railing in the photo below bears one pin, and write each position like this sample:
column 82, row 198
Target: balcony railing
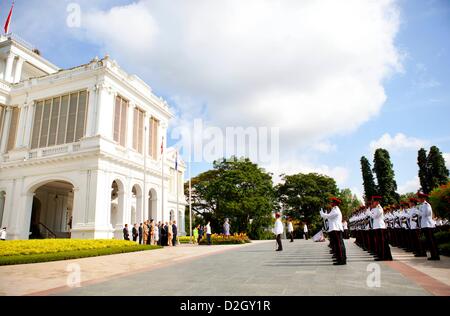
column 85, row 146
column 20, row 40
column 54, row 151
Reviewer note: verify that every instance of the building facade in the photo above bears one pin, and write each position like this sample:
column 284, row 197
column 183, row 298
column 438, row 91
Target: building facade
column 82, row 150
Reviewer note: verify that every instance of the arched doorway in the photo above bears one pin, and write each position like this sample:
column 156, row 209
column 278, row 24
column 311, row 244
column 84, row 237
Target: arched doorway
column 35, row 230
column 136, row 206
column 2, row 206
column 152, row 205
column 172, row 215
column 116, row 213
column 52, row 209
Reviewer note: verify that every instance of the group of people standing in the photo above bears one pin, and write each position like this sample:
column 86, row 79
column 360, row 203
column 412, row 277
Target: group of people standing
column 199, row 232
column 290, row 230
column 376, row 229
column 279, row 230
column 398, row 225
column 152, row 233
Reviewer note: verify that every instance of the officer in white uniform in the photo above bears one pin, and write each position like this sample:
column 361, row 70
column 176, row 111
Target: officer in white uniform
column 382, row 249
column 3, row 234
column 278, row 230
column 413, row 212
column 427, row 225
column 290, row 228
column 335, row 231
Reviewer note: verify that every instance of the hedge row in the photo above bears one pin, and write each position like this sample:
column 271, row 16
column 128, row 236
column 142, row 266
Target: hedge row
column 67, row 255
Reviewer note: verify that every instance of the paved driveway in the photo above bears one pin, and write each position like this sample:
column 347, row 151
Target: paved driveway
column 304, row 268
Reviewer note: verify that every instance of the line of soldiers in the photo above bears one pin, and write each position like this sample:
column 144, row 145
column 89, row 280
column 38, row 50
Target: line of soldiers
column 399, row 225
column 333, row 224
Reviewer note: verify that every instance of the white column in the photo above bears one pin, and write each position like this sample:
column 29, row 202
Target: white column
column 28, row 125
column 145, row 188
column 104, row 111
column 2, row 207
column 18, row 71
column 19, row 211
column 9, row 67
column 21, row 126
column 5, row 133
column 92, row 111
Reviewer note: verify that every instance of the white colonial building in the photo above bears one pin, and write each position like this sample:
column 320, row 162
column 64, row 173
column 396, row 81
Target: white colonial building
column 80, row 149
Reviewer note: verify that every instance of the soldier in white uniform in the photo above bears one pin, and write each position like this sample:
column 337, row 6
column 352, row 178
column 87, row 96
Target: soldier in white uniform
column 382, row 249
column 278, row 230
column 414, row 225
column 427, row 225
column 290, row 228
column 3, row 234
column 336, row 231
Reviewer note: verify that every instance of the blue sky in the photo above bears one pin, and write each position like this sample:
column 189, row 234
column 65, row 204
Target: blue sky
column 208, row 67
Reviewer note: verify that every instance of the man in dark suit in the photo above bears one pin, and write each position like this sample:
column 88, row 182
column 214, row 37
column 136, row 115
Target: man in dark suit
column 163, row 235
column 166, row 234
column 135, row 233
column 126, row 233
column 175, row 232
column 140, row 234
column 149, row 227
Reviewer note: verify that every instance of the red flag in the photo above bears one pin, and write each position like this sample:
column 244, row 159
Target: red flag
column 162, row 146
column 8, row 20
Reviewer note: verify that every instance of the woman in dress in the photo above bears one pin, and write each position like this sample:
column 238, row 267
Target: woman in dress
column 226, row 228
column 196, row 235
column 155, row 234
column 170, row 234
column 152, row 232
column 145, row 232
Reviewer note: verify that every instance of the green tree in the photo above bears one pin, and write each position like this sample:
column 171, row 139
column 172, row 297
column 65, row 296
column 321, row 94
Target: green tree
column 349, row 202
column 440, row 201
column 407, row 196
column 438, row 171
column 424, row 171
column 370, row 189
column 238, row 190
column 384, row 170
column 303, row 195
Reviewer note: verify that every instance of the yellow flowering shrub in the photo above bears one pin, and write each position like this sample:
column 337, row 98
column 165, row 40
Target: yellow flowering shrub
column 184, row 239
column 48, row 246
column 220, row 239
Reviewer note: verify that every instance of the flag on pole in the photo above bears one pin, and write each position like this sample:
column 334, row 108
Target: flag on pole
column 162, row 146
column 8, row 19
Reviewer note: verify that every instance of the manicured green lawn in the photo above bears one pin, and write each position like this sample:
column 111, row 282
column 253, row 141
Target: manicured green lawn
column 34, row 251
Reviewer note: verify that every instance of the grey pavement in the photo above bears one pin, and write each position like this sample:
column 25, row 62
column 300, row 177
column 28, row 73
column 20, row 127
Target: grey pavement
column 303, row 268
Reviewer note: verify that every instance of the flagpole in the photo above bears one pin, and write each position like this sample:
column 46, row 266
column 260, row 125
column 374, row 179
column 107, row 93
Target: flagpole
column 162, row 180
column 178, row 184
column 190, row 203
column 144, row 194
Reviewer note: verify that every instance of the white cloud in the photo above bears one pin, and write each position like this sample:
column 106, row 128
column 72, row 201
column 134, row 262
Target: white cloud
column 324, row 147
column 412, row 185
column 313, row 68
column 305, row 165
column 397, row 143
column 133, row 25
